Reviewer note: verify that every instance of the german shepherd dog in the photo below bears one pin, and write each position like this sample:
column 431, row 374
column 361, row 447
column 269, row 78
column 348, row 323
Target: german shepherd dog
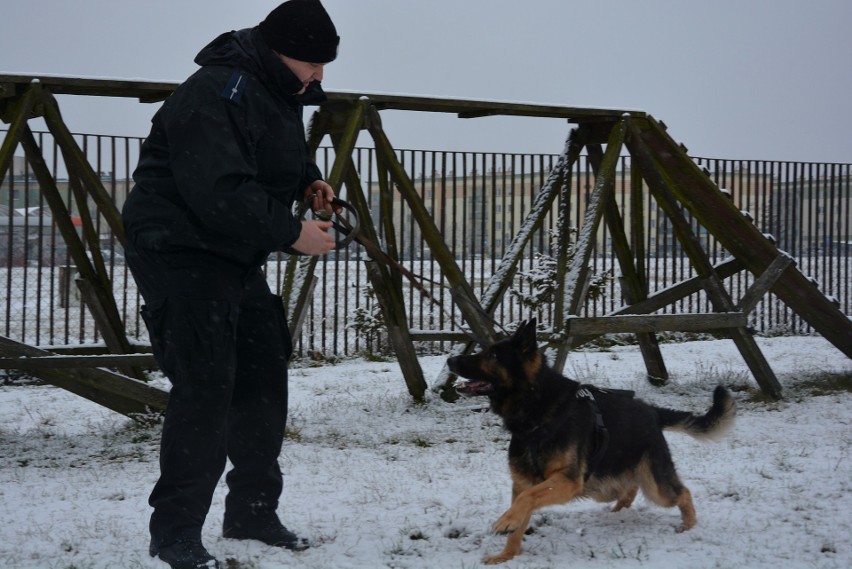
column 578, row 441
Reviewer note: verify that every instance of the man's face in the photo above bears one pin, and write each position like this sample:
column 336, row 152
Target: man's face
column 305, row 71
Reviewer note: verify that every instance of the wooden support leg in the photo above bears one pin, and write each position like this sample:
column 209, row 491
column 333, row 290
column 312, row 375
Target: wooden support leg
column 299, row 272
column 633, row 285
column 573, row 291
column 94, row 286
column 15, row 112
column 77, row 162
column 393, row 310
column 659, row 185
column 477, row 318
column 297, row 311
column 388, row 291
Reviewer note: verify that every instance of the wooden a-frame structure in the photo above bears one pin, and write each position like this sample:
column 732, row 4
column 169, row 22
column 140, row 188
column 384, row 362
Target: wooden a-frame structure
column 676, row 184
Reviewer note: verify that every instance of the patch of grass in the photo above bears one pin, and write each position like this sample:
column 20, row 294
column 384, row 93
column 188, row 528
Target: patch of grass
column 622, row 550
column 292, row 433
column 421, row 442
column 376, row 357
column 756, row 395
column 826, row 383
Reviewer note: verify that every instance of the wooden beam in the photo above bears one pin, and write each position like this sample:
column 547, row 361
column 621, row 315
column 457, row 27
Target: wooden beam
column 114, row 391
column 656, row 169
column 764, row 282
column 477, row 318
column 299, row 272
column 743, row 240
column 670, row 295
column 633, row 285
column 573, row 286
column 574, row 147
column 666, row 297
column 396, row 323
column 151, row 91
column 15, row 112
column 648, row 323
column 77, row 162
column 69, row 361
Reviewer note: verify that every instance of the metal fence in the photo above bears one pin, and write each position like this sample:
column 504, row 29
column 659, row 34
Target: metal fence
column 479, row 201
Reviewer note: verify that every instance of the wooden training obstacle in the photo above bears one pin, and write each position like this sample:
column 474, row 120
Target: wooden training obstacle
column 675, row 183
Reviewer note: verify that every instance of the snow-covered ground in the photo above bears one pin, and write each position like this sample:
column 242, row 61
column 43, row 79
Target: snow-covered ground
column 376, row 481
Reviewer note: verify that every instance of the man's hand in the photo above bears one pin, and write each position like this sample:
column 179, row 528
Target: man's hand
column 314, row 238
column 321, row 195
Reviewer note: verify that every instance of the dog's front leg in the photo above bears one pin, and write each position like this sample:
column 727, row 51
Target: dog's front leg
column 556, row 489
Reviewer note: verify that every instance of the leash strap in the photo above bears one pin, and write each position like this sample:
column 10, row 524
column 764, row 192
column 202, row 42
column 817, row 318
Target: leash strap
column 352, row 232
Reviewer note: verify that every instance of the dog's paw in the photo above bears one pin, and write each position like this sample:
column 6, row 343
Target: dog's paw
column 507, row 523
column 501, row 557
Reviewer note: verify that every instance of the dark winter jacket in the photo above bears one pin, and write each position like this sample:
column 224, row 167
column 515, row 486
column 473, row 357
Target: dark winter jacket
column 225, row 159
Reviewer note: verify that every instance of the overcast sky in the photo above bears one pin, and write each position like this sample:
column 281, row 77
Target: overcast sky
column 749, row 79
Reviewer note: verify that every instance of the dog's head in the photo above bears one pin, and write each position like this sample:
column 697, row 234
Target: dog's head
column 507, row 367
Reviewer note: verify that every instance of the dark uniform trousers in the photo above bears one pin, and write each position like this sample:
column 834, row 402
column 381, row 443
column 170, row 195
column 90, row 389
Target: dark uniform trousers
column 221, row 338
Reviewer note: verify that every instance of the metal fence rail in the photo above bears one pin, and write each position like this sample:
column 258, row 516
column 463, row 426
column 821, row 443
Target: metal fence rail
column 479, row 201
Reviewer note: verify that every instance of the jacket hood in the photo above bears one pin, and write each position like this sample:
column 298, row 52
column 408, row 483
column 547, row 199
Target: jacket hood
column 247, row 50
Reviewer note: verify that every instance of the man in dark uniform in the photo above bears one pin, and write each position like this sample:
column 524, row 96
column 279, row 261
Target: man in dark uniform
column 216, row 181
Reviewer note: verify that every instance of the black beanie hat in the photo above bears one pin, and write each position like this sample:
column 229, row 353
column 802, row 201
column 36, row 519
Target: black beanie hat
column 301, row 29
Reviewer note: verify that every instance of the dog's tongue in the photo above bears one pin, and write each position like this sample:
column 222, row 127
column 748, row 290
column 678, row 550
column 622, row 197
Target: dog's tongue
column 472, row 386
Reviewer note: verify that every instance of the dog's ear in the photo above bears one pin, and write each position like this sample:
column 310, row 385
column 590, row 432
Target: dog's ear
column 526, row 336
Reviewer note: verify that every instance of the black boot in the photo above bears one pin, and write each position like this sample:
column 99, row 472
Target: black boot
column 185, row 553
column 267, row 529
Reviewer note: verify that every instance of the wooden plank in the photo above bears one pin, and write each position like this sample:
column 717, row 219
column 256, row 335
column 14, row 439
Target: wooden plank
column 647, row 323
column 667, row 296
column 670, row 295
column 438, row 336
column 387, row 287
column 299, row 309
column 68, row 361
column 299, row 273
column 114, row 391
column 100, row 301
column 762, row 285
column 151, row 91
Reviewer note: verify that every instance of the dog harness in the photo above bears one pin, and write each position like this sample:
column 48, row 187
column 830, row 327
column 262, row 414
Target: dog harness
column 600, row 440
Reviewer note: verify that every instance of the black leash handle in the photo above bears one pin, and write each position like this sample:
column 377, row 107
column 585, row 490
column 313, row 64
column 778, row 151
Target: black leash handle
column 349, row 225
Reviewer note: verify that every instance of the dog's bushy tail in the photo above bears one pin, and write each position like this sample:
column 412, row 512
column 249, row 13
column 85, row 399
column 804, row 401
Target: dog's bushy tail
column 711, row 425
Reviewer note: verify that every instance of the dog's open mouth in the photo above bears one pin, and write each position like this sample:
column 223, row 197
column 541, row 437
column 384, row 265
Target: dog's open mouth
column 474, row 387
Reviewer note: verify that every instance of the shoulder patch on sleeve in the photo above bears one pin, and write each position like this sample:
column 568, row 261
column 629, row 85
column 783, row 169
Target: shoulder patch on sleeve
column 233, row 91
